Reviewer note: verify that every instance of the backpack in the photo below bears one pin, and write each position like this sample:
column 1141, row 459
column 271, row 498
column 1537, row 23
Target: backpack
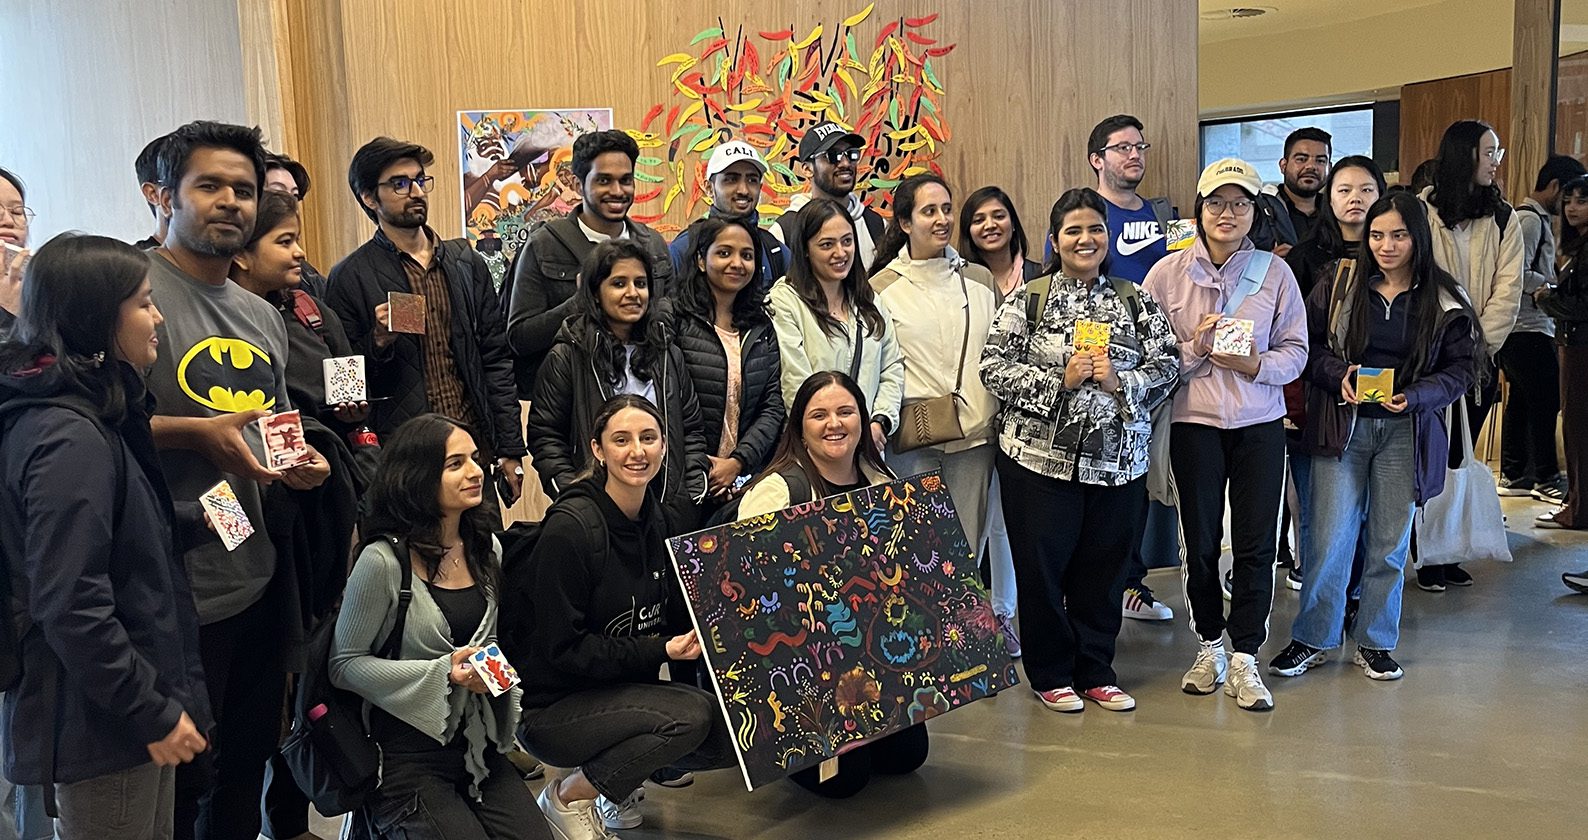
column 10, row 636
column 518, row 584
column 1532, row 264
column 329, row 751
column 1271, row 225
column 799, row 493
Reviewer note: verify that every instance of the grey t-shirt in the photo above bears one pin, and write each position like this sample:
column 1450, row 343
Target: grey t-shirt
column 222, row 350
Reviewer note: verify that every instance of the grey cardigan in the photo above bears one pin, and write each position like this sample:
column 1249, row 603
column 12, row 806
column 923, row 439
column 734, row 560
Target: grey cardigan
column 415, row 688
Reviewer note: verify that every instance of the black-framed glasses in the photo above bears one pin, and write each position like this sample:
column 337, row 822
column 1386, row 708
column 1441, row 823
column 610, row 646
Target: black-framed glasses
column 403, row 185
column 836, row 155
column 1217, row 206
column 18, row 211
column 1126, row 148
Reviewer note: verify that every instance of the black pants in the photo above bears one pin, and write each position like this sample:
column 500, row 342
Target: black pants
column 1069, row 557
column 1478, row 401
column 218, row 795
column 1574, row 416
column 1250, row 464
column 902, row 752
column 424, row 795
column 621, row 734
column 1527, row 447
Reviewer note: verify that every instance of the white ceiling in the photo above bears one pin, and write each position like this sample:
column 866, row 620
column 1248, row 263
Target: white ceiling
column 1284, row 16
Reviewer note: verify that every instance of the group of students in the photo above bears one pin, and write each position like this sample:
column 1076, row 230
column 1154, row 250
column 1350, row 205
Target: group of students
column 737, row 373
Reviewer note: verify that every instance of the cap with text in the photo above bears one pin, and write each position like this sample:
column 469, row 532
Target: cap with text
column 823, row 136
column 731, row 153
column 1229, row 171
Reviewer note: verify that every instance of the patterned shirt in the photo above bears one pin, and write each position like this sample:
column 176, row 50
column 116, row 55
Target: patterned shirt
column 443, row 386
column 1086, row 434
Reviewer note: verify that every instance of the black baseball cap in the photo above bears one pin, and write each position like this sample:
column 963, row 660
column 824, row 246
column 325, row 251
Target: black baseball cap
column 823, row 136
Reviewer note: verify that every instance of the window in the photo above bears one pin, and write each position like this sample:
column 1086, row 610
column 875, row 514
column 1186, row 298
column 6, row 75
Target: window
column 1260, row 140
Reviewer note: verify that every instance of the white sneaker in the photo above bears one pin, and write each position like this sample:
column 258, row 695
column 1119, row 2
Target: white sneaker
column 1246, row 684
column 571, row 822
column 1207, row 671
column 1140, row 605
column 625, row 814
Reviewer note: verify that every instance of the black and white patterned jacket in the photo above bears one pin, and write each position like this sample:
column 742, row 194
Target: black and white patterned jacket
column 1086, row 434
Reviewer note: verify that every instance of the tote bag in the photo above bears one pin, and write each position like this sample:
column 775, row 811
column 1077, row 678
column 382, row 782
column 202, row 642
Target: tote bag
column 1464, row 523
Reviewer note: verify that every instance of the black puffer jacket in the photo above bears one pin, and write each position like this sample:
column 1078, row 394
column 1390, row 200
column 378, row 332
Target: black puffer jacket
column 761, row 411
column 360, row 283
column 544, row 275
column 569, row 393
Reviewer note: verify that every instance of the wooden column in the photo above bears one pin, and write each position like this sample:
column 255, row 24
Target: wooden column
column 1534, row 49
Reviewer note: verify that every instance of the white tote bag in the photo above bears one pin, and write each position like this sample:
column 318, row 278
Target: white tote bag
column 1464, row 523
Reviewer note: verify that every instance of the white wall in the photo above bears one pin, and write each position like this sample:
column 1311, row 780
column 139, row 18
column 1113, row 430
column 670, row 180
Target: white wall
column 84, row 84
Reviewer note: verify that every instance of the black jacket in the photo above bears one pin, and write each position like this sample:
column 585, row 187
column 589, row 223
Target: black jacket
column 106, row 593
column 875, row 225
column 569, row 392
column 594, row 603
column 1567, row 302
column 544, row 275
column 360, row 282
column 772, row 254
column 1313, row 260
column 761, row 411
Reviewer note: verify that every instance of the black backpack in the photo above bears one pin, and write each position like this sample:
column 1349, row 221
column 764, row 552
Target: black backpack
column 10, row 638
column 333, row 759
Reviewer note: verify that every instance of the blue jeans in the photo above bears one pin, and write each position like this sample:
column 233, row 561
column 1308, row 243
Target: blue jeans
column 1373, row 478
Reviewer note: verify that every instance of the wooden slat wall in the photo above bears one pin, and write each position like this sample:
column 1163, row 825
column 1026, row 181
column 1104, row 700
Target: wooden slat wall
column 1532, row 93
column 1571, row 104
column 1026, row 83
column 1428, row 108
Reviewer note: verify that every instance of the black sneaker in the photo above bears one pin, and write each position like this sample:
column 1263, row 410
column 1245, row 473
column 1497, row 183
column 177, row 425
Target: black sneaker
column 1378, row 664
column 1515, row 486
column 1577, row 581
column 1229, row 584
column 673, row 778
column 1553, row 491
column 1295, row 659
column 1351, row 607
column 1457, row 576
column 1431, row 578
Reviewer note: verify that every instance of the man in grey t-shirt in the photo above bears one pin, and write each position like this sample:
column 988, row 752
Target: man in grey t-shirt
column 222, row 366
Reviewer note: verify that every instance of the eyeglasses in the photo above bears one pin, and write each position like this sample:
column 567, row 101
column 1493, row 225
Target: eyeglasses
column 1126, row 148
column 1217, row 206
column 17, row 211
column 1495, row 155
column 836, row 155
column 403, row 185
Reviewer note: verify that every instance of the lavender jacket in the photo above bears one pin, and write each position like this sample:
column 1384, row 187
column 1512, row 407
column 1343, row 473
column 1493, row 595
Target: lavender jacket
column 1188, row 286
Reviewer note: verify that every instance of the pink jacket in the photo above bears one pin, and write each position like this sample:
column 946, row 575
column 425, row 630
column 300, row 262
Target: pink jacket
column 1188, row 286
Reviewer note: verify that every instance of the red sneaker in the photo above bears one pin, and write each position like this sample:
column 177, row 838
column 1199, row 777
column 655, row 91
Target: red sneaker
column 1110, row 698
column 1061, row 699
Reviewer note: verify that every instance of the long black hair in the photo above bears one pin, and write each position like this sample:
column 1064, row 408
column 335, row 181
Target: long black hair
column 1327, row 230
column 802, row 278
column 1572, row 239
column 403, row 500
column 72, row 292
column 1455, row 195
column 1076, row 198
column 648, row 335
column 791, row 451
column 1018, row 246
column 1430, row 285
column 694, row 290
column 894, row 239
column 274, row 208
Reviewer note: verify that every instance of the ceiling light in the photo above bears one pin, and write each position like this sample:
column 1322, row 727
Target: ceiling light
column 1236, row 13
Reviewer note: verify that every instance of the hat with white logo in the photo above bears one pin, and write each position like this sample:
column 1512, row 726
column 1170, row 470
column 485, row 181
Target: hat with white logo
column 823, row 136
column 731, row 153
column 1229, row 171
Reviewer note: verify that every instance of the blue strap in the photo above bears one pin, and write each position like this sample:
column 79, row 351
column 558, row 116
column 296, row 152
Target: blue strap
column 1251, row 280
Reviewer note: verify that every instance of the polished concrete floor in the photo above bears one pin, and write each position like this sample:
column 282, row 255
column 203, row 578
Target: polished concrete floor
column 1484, row 737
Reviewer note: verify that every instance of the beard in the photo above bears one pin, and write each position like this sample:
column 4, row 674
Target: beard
column 1299, row 191
column 198, row 236
column 829, row 184
column 409, row 217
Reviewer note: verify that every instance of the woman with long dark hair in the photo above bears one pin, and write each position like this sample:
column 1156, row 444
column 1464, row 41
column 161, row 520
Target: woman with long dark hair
column 614, row 344
column 1567, row 303
column 724, row 329
column 442, row 734
column 1227, row 438
column 1477, row 238
column 825, row 450
column 827, row 317
column 110, row 695
column 1073, row 451
column 1383, row 455
column 942, row 309
column 592, row 615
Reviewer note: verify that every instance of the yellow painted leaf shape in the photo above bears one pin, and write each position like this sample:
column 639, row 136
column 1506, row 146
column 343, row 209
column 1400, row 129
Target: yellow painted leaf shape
column 678, row 58
column 856, row 18
column 809, row 39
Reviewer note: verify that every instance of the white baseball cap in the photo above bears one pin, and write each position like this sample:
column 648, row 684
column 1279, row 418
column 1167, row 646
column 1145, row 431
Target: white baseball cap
column 732, row 152
column 1229, row 171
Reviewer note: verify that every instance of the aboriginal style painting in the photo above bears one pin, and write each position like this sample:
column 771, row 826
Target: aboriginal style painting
column 877, row 77
column 846, row 618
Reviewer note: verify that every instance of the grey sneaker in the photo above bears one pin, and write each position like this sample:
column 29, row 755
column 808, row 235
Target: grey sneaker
column 625, row 814
column 1207, row 671
column 577, row 821
column 1006, row 626
column 1246, row 684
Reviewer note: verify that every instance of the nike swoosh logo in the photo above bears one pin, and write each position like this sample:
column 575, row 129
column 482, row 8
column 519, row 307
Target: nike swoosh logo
column 1126, row 250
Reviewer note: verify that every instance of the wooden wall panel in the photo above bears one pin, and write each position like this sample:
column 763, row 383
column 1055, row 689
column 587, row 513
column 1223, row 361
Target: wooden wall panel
column 1428, row 108
column 1024, row 86
column 1571, row 106
column 1532, row 93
